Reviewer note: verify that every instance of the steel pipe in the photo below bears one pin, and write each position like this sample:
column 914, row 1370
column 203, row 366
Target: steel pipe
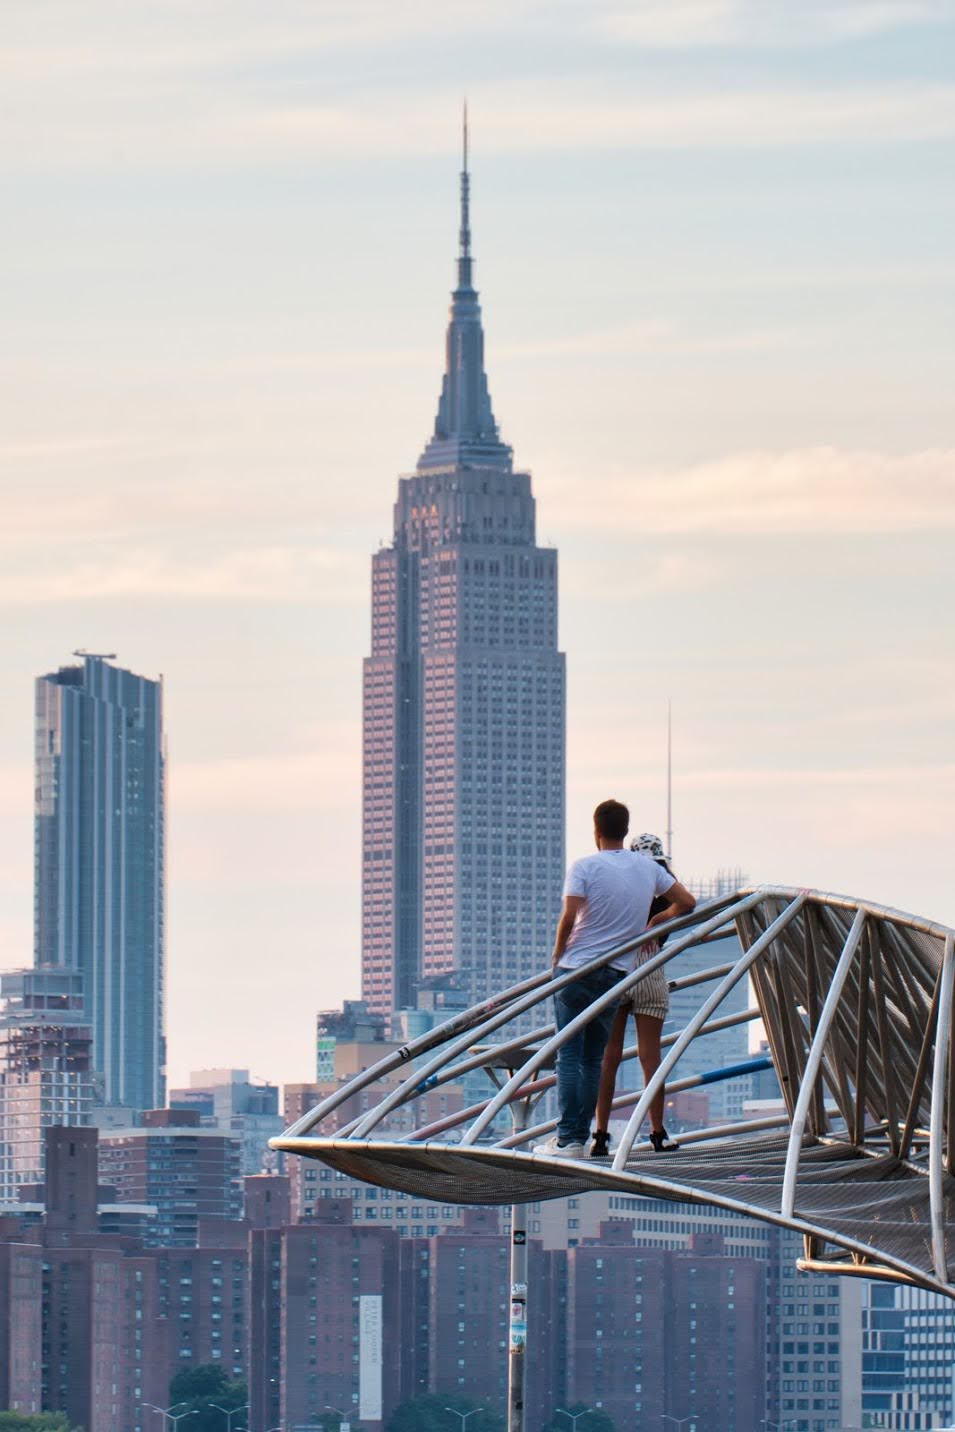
column 612, row 996
column 801, row 1111
column 699, row 1019
column 937, row 1119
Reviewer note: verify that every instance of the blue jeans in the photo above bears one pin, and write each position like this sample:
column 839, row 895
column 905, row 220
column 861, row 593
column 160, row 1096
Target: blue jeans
column 579, row 1060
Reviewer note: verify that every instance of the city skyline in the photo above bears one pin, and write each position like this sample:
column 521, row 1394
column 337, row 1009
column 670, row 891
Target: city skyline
column 715, row 240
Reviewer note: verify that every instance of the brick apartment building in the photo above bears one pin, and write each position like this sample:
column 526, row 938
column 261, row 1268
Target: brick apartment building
column 185, row 1172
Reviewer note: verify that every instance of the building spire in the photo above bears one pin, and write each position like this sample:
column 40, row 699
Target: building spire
column 465, row 433
column 464, row 255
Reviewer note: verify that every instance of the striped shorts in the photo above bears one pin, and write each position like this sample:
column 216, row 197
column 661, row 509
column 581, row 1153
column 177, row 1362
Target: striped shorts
column 651, row 995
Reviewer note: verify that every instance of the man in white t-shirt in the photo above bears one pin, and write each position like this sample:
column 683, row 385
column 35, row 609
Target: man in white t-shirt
column 607, row 898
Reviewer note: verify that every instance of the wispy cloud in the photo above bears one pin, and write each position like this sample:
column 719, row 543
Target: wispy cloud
column 812, row 490
column 184, row 124
column 668, row 24
column 530, row 118
column 222, row 35
column 265, row 574
column 661, row 336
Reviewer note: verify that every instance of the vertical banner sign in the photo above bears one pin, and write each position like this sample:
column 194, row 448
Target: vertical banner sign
column 518, row 1319
column 369, row 1358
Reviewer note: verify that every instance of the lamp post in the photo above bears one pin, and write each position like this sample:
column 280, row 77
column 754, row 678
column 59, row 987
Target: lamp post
column 174, row 1417
column 230, row 1413
column 778, row 1426
column 345, row 1422
column 678, row 1420
column 574, row 1415
column 464, row 1415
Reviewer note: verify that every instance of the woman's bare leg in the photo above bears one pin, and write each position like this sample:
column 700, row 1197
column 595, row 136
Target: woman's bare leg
column 608, row 1069
column 649, row 1029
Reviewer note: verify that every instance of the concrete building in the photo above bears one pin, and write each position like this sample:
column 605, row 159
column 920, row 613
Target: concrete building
column 813, row 1330
column 908, row 1382
column 718, row 1362
column 202, row 1302
column 229, row 1101
column 814, row 1343
column 339, row 1294
column 617, row 1357
column 464, row 750
column 46, row 1073
column 186, row 1172
column 465, row 1271
column 100, row 863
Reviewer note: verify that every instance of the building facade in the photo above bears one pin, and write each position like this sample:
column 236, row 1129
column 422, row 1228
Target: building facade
column 99, row 863
column 908, row 1382
column 185, row 1172
column 247, row 1110
column 464, row 705
column 46, row 1074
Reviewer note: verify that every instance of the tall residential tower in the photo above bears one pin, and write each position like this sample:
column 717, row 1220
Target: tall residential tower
column 99, row 863
column 463, row 758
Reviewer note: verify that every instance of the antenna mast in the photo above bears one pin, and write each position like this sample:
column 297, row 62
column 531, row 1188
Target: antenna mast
column 669, row 781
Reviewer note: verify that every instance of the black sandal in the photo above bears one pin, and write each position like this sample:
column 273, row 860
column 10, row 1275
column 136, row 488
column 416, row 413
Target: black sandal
column 600, row 1148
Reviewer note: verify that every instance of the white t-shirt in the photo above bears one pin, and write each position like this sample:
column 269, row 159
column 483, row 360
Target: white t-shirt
column 618, row 887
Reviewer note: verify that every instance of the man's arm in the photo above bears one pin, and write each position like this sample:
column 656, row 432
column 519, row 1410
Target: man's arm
column 571, row 908
column 681, row 903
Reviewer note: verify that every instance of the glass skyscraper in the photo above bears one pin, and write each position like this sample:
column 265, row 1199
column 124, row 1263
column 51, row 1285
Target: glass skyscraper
column 464, row 702
column 99, row 863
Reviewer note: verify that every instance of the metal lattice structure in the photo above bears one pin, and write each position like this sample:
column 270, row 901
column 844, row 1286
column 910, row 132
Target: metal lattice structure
column 856, row 1000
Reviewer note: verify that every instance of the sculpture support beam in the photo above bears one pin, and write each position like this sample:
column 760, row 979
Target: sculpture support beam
column 857, row 1002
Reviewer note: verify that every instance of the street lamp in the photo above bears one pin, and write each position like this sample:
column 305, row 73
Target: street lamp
column 790, row 1422
column 573, row 1415
column 174, row 1418
column 463, row 1415
column 678, row 1420
column 345, row 1417
column 229, row 1412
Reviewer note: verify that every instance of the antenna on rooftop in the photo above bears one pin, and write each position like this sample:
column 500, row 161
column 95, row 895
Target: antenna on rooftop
column 669, row 781
column 95, row 655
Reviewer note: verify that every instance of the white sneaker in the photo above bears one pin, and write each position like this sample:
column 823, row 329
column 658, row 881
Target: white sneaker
column 555, row 1150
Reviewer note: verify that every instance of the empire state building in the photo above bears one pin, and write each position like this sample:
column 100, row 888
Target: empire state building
column 464, row 705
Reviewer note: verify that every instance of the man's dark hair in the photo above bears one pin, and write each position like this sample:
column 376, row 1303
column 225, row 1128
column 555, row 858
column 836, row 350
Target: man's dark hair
column 611, row 820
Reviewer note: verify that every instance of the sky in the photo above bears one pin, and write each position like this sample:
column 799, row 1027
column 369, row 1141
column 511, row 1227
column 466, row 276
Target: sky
column 713, row 240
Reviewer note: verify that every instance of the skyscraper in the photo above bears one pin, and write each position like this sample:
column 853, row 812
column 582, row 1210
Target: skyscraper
column 99, row 863
column 463, row 759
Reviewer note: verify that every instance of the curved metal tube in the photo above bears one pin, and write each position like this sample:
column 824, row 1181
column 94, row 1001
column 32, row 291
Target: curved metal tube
column 399, row 1057
column 468, row 1020
column 699, row 1019
column 450, row 1076
column 937, row 1119
column 612, row 996
column 623, row 1100
column 540, row 1086
column 515, row 1008
column 814, row 1060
